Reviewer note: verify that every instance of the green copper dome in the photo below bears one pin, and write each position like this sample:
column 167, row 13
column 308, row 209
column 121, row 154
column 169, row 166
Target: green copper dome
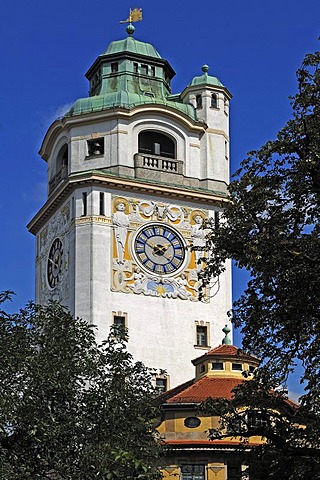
column 132, row 45
column 205, row 79
column 128, row 100
column 130, row 73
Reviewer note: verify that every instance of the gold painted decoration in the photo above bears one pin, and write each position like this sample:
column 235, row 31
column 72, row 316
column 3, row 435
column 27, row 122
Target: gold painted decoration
column 135, row 15
column 151, row 249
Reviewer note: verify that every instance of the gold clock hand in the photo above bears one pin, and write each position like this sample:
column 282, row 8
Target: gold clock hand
column 54, row 263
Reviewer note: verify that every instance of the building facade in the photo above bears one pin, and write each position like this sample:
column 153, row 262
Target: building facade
column 133, row 172
column 184, row 427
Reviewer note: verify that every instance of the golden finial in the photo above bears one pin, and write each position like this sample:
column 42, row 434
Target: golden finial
column 134, row 16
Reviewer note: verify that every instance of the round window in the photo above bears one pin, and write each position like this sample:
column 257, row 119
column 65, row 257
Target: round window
column 192, row 422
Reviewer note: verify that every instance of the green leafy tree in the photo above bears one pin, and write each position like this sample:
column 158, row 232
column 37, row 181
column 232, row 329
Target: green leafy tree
column 70, row 409
column 271, row 228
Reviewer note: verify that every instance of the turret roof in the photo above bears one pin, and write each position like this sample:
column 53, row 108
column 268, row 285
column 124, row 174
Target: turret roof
column 205, row 387
column 227, row 351
column 205, row 79
column 132, row 45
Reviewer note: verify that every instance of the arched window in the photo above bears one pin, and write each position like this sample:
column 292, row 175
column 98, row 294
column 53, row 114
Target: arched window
column 60, row 172
column 151, row 142
column 62, row 158
column 214, row 101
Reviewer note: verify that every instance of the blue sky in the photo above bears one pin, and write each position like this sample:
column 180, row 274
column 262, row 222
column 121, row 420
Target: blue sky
column 253, row 47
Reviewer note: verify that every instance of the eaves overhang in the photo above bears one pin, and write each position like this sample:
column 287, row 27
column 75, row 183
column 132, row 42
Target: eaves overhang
column 129, row 55
column 110, row 181
column 208, row 445
column 67, row 122
column 239, row 356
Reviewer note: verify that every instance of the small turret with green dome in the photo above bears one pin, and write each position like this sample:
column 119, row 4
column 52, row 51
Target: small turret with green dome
column 205, row 79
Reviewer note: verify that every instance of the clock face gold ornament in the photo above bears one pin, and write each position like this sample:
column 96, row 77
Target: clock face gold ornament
column 54, row 265
column 159, row 249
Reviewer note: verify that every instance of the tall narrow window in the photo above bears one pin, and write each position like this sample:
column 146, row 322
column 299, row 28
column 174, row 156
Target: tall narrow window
column 216, row 219
column 226, row 150
column 101, row 204
column 214, row 101
column 73, row 208
column 84, row 203
column 153, row 71
column 144, row 69
column 135, row 68
column 199, row 101
column 226, row 106
column 202, row 336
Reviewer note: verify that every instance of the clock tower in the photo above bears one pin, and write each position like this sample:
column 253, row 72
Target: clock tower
column 133, row 172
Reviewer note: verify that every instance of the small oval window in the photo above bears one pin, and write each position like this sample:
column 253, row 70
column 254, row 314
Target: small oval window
column 192, row 422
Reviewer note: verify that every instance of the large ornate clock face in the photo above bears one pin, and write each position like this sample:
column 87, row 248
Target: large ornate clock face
column 159, row 249
column 54, row 265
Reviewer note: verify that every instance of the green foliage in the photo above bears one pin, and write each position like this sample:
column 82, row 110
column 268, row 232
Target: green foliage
column 69, row 409
column 271, row 228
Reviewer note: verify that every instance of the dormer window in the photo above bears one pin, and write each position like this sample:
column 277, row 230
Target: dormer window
column 114, row 67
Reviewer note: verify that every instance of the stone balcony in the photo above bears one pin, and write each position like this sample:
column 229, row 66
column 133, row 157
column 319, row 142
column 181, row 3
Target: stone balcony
column 158, row 168
column 161, row 164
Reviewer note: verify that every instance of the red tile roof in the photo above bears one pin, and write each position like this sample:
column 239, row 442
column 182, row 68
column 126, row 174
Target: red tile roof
column 225, row 350
column 200, row 390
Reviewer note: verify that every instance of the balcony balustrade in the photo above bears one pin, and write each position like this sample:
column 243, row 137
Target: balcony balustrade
column 155, row 162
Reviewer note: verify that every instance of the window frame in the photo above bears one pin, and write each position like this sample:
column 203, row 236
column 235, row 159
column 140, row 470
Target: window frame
column 201, row 336
column 193, row 475
column 215, row 106
column 199, row 103
column 233, row 364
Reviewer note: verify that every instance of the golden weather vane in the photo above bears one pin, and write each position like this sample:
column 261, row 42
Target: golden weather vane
column 134, row 16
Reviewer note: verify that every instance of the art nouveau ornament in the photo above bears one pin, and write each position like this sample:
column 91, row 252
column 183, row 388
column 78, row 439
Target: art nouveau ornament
column 152, row 248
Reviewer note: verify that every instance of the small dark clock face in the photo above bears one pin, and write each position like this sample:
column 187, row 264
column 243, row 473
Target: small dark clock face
column 159, row 249
column 54, row 265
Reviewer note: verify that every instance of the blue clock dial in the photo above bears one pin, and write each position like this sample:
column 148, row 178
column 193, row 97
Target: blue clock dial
column 159, row 249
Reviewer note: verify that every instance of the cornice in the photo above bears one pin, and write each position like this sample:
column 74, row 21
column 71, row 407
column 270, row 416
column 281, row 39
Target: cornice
column 115, row 183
